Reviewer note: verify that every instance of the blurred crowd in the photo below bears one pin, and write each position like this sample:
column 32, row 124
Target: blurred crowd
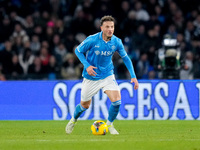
column 38, row 37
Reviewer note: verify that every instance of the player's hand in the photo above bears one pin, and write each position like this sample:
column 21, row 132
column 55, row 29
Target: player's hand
column 136, row 83
column 90, row 70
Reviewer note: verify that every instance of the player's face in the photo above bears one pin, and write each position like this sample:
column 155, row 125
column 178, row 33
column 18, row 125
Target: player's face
column 108, row 30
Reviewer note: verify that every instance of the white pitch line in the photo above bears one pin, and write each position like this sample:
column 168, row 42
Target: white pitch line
column 105, row 140
column 120, row 140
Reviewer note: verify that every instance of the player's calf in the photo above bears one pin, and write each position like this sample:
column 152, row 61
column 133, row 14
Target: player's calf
column 113, row 112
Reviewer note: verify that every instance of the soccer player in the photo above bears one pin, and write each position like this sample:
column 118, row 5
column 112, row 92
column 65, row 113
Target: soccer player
column 95, row 53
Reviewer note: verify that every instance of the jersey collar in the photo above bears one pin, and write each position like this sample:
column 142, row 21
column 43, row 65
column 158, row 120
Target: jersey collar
column 101, row 37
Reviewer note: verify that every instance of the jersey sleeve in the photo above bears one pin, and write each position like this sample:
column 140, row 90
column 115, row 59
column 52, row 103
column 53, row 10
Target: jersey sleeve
column 85, row 45
column 129, row 66
column 121, row 49
column 126, row 59
column 82, row 49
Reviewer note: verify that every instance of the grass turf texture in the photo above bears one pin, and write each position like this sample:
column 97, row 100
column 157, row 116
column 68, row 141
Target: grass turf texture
column 134, row 135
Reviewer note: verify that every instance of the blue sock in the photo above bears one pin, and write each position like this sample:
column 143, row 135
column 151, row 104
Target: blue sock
column 114, row 110
column 78, row 111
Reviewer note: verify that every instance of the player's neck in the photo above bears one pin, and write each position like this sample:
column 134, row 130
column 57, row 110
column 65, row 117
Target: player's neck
column 106, row 38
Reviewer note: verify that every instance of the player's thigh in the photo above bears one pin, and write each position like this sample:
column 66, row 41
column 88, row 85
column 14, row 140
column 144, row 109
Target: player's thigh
column 113, row 95
column 111, row 88
column 89, row 89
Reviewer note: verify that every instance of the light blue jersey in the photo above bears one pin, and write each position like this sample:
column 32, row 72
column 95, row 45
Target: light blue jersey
column 94, row 51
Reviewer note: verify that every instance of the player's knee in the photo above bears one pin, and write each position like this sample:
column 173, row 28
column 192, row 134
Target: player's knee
column 117, row 96
column 85, row 105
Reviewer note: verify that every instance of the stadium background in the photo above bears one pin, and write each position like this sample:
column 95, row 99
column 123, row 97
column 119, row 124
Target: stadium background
column 38, row 39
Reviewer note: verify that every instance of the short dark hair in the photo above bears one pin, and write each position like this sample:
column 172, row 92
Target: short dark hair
column 106, row 18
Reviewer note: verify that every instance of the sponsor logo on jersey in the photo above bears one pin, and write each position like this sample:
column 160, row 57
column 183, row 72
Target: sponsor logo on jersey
column 106, row 53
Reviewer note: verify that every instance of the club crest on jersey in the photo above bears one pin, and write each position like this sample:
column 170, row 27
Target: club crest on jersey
column 97, row 52
column 113, row 47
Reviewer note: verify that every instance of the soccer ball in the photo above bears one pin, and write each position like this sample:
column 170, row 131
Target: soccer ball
column 99, row 128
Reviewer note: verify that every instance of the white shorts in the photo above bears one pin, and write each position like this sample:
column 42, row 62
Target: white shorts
column 90, row 87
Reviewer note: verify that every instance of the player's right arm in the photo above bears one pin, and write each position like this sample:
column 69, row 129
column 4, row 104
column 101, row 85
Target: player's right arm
column 90, row 70
column 80, row 51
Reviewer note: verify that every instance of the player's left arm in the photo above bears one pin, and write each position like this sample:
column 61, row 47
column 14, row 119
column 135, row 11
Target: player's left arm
column 128, row 64
column 130, row 68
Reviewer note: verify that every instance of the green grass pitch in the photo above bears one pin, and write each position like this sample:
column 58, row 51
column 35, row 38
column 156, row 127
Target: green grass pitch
column 134, row 135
